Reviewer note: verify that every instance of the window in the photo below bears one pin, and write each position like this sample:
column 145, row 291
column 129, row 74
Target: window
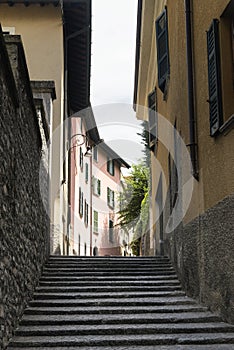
column 111, row 166
column 162, row 50
column 85, row 249
column 214, row 78
column 86, row 172
column 95, row 221
column 81, row 202
column 95, row 153
column 81, row 158
column 110, row 197
column 86, row 215
column 152, row 100
column 79, row 245
column 111, row 231
column 96, row 186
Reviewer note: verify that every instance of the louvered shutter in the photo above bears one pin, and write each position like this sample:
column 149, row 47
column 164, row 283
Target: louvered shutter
column 214, row 78
column 162, row 49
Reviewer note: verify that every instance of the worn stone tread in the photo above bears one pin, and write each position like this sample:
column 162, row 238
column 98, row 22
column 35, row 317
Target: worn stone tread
column 107, row 289
column 157, row 339
column 113, row 301
column 108, row 283
column 108, row 294
column 140, row 347
column 194, row 317
column 97, row 279
column 125, row 329
column 114, row 309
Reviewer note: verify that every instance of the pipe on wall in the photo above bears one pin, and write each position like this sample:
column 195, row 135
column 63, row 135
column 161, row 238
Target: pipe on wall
column 191, row 103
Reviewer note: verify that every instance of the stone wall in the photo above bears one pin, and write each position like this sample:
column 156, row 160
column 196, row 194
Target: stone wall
column 24, row 225
column 202, row 252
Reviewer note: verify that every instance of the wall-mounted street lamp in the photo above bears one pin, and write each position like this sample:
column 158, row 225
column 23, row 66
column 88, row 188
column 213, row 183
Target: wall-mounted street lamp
column 81, row 139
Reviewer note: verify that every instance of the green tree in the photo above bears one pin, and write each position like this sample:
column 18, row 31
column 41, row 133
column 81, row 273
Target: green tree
column 134, row 192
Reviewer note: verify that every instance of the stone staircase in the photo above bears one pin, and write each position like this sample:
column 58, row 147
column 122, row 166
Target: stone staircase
column 116, row 303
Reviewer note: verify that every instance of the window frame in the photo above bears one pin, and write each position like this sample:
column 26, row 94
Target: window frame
column 110, row 198
column 86, row 172
column 96, row 186
column 111, row 166
column 95, row 154
column 111, row 231
column 81, row 202
column 214, row 78
column 81, row 158
column 153, row 119
column 161, row 57
column 95, row 222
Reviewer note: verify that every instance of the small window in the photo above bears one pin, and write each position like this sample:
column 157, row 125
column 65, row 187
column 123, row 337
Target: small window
column 162, row 50
column 95, row 221
column 86, row 172
column 96, row 186
column 85, row 249
column 110, row 198
column 81, row 158
column 111, row 231
column 152, row 120
column 81, row 202
column 95, row 154
column 79, row 245
column 86, row 215
column 214, row 78
column 111, row 166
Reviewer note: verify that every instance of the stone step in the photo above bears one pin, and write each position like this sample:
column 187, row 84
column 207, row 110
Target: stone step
column 143, row 328
column 137, row 318
column 125, row 302
column 140, row 347
column 110, row 273
column 129, row 269
column 122, row 339
column 106, row 289
column 94, row 259
column 112, row 310
column 98, row 279
column 109, row 283
column 107, row 295
column 77, row 264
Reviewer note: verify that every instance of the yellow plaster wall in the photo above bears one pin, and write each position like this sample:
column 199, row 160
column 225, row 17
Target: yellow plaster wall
column 41, row 31
column 216, row 156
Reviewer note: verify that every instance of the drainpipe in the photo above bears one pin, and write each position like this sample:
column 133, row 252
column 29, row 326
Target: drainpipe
column 191, row 104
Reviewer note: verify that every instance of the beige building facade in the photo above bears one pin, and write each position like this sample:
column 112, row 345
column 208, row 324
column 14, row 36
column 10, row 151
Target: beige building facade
column 184, row 88
column 56, row 37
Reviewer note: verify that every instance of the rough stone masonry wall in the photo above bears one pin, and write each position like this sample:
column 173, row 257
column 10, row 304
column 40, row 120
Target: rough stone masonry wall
column 24, row 225
column 202, row 252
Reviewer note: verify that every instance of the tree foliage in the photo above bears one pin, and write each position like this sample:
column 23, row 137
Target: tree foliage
column 134, row 192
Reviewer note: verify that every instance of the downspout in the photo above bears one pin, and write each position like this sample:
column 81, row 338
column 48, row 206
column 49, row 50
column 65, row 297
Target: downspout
column 191, row 104
column 137, row 55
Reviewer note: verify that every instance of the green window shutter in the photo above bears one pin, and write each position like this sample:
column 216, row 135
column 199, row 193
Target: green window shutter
column 86, row 172
column 99, row 187
column 214, row 78
column 162, row 49
column 108, row 195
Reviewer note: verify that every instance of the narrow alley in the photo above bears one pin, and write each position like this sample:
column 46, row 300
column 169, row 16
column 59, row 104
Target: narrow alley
column 116, row 174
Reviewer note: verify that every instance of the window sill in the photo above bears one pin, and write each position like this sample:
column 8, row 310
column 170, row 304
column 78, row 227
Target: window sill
column 96, row 194
column 227, row 126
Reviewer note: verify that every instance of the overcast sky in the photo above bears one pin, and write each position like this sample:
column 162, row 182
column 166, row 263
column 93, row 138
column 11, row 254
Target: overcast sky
column 112, row 75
